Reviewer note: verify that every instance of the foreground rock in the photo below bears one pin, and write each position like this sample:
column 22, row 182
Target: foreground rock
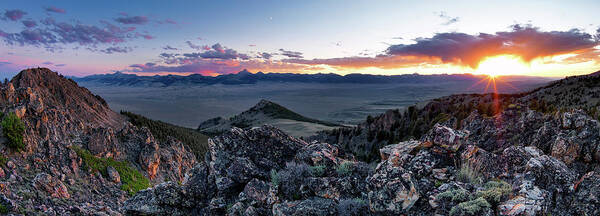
column 263, row 171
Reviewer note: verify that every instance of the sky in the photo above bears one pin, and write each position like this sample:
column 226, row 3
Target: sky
column 78, row 38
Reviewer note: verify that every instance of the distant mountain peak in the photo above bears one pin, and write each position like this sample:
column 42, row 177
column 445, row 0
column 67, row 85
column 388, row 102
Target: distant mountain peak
column 51, row 89
column 245, row 71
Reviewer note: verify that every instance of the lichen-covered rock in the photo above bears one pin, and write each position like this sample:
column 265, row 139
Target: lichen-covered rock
column 164, row 199
column 392, row 189
column 51, row 185
column 587, row 196
column 445, row 139
column 312, row 206
column 238, row 156
column 550, row 173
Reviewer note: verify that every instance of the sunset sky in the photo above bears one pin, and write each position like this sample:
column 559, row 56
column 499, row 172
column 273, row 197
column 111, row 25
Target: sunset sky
column 542, row 38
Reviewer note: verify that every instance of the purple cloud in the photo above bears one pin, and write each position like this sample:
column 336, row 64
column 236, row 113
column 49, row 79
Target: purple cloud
column 4, row 63
column 266, row 55
column 60, row 65
column 53, row 9
column 29, row 23
column 135, row 20
column 52, row 34
column 169, row 48
column 47, row 63
column 14, row 15
column 193, row 46
column 112, row 50
column 291, row 54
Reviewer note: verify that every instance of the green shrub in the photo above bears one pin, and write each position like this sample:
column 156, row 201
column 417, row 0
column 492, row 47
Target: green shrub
column 274, row 177
column 495, row 191
column 344, row 168
column 3, row 209
column 3, row 161
column 132, row 180
column 456, row 195
column 13, row 129
column 317, row 171
column 474, row 207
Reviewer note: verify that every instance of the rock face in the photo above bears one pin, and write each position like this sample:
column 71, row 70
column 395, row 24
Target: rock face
column 60, row 117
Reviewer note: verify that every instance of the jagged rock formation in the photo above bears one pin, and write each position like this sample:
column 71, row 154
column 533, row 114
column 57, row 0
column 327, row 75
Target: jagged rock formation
column 497, row 165
column 50, row 176
column 267, row 112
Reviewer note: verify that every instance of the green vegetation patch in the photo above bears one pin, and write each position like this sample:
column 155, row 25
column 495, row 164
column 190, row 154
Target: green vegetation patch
column 13, row 129
column 132, row 180
column 474, row 207
column 469, row 173
column 196, row 141
column 495, row 191
column 317, row 171
column 456, row 195
column 3, row 209
column 345, row 168
column 274, row 177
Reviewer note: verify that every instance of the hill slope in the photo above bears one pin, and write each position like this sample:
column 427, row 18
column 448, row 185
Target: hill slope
column 77, row 154
column 267, row 112
column 364, row 140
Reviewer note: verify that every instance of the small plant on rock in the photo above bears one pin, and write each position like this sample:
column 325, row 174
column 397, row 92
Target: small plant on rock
column 495, row 191
column 317, row 171
column 13, row 129
column 291, row 179
column 345, row 168
column 477, row 206
column 274, row 177
column 469, row 173
column 456, row 195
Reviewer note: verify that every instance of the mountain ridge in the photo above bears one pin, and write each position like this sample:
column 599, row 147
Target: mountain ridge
column 245, row 77
column 266, row 112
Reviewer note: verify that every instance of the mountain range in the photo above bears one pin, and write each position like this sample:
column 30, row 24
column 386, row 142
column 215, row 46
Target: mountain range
column 245, row 77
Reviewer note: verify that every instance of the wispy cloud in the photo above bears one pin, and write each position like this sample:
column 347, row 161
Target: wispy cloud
column 53, row 9
column 291, row 54
column 133, row 20
column 448, row 19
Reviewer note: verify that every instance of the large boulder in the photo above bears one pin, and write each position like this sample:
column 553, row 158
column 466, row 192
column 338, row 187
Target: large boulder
column 392, row 189
column 240, row 155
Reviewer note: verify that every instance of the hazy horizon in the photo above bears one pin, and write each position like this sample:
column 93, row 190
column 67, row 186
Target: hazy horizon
column 535, row 38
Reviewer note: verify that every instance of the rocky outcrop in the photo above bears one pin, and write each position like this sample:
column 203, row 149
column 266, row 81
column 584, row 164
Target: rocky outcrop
column 60, row 117
column 449, row 171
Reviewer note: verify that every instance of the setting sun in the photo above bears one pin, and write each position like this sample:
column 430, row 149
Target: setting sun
column 502, row 65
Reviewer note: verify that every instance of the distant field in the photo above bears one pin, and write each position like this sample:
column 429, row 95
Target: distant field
column 342, row 103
